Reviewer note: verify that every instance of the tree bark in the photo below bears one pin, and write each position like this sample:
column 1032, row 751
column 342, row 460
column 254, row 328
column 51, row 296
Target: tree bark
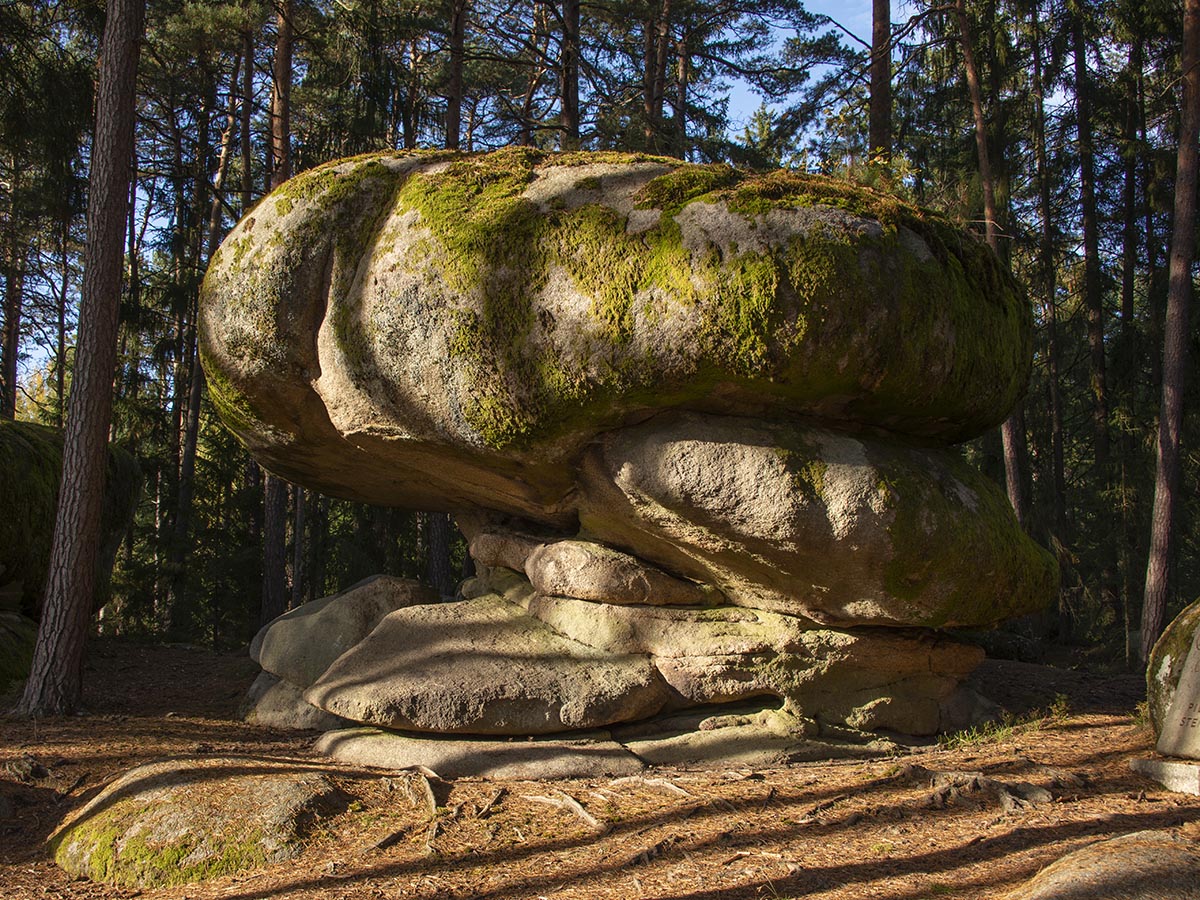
column 274, row 585
column 438, row 561
column 454, row 90
column 879, row 142
column 1093, row 302
column 281, row 95
column 56, row 676
column 299, row 547
column 570, row 75
column 1175, row 342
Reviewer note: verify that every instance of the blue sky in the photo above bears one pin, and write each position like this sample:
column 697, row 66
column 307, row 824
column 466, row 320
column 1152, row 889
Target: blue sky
column 853, row 15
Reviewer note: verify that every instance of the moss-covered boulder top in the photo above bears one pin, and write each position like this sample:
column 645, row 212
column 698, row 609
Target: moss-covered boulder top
column 435, row 329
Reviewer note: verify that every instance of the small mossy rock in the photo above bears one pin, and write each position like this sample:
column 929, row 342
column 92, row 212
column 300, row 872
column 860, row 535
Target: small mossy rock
column 586, row 570
column 274, row 703
column 871, row 679
column 30, row 471
column 302, row 643
column 1146, row 865
column 182, row 821
column 581, row 755
column 17, row 637
column 1166, row 662
column 439, row 331
column 840, row 529
column 483, row 666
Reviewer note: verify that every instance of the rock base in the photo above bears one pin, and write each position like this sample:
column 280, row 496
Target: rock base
column 1175, row 775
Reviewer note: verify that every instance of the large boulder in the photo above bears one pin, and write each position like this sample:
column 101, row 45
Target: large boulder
column 844, row 529
column 441, row 331
column 1166, row 662
column 302, row 643
column 695, row 424
column 484, row 666
column 176, row 822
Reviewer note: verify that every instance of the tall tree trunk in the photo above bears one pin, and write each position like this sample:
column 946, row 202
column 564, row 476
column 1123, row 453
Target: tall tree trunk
column 1049, row 288
column 14, row 276
column 274, row 584
column 438, row 559
column 454, row 90
column 1012, row 431
column 247, row 114
column 1175, row 341
column 281, row 95
column 187, row 467
column 570, row 75
column 682, row 63
column 299, row 547
column 879, row 142
column 1093, row 302
column 56, row 676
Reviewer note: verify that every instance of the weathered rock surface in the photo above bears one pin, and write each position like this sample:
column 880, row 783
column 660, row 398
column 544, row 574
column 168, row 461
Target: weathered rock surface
column 1146, row 865
column 441, row 331
column 173, row 822
column 583, row 755
column 841, row 529
column 30, row 471
column 1166, row 662
column 302, row 643
column 275, row 703
column 483, row 666
column 590, row 571
column 869, row 680
column 693, row 422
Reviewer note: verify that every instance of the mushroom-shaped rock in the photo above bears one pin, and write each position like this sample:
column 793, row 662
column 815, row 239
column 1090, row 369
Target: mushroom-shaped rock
column 438, row 331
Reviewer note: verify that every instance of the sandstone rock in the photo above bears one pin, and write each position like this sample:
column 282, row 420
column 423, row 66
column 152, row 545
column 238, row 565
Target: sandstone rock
column 844, row 530
column 442, row 331
column 765, row 738
column 483, row 666
column 275, row 703
column 1146, row 865
column 175, row 822
column 302, row 643
column 903, row 681
column 585, row 755
column 30, row 470
column 590, row 571
column 1165, row 665
column 494, row 548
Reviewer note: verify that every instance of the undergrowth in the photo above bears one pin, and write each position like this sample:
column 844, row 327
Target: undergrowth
column 1008, row 726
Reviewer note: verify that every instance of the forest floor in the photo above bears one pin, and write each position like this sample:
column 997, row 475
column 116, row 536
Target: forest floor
column 844, row 829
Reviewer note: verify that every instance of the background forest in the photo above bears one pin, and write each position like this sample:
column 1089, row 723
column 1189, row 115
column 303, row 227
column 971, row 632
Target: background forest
column 1081, row 106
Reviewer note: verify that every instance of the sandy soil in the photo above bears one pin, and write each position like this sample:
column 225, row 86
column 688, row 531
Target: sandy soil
column 916, row 826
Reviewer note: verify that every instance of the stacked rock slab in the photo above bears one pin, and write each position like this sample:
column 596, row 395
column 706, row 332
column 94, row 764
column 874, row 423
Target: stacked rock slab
column 696, row 425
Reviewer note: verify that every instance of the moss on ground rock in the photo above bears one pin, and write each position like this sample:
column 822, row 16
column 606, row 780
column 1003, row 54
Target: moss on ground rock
column 175, row 823
column 513, row 304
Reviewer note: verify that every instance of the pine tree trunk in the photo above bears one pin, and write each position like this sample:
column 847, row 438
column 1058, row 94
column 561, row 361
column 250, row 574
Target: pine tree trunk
column 454, row 90
column 438, row 561
column 55, row 680
column 1093, row 302
column 281, row 95
column 299, row 548
column 879, row 142
column 570, row 75
column 1175, row 342
column 274, row 584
